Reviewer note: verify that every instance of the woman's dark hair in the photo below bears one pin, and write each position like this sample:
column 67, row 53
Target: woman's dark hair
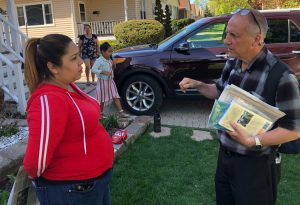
column 40, row 51
column 87, row 25
column 104, row 46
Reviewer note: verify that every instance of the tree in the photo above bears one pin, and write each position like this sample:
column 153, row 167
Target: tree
column 218, row 7
column 167, row 21
column 158, row 12
column 256, row 4
column 291, row 4
column 207, row 12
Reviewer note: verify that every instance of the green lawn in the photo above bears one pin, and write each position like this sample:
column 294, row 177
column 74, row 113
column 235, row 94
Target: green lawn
column 179, row 171
column 176, row 170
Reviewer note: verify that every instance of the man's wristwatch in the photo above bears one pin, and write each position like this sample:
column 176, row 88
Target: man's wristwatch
column 258, row 144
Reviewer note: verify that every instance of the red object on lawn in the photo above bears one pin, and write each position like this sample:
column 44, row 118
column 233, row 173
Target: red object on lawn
column 119, row 136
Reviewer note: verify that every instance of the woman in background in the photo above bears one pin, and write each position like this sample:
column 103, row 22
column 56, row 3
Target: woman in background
column 89, row 48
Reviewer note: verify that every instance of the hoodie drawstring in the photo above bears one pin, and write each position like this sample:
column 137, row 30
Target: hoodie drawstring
column 82, row 123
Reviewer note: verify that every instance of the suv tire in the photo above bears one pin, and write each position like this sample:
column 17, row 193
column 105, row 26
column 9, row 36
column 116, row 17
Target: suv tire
column 141, row 95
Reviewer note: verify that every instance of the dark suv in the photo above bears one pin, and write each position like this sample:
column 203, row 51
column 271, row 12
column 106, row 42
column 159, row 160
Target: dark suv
column 152, row 71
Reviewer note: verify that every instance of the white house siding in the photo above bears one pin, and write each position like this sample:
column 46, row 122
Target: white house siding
column 112, row 10
column 173, row 4
column 150, row 4
column 62, row 21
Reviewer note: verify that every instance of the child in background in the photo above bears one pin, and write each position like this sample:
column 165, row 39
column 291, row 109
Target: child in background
column 106, row 89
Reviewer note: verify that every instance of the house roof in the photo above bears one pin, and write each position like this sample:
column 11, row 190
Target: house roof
column 184, row 4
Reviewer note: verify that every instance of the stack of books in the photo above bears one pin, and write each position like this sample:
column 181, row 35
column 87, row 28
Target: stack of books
column 247, row 110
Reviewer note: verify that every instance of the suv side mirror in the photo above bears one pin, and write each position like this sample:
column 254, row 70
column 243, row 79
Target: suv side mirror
column 183, row 47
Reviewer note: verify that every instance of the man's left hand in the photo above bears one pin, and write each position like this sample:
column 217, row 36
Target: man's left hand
column 241, row 136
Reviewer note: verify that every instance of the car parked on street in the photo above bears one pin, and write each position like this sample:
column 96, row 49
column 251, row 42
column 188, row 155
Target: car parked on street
column 151, row 72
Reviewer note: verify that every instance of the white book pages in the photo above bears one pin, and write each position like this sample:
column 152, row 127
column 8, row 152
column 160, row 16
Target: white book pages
column 253, row 103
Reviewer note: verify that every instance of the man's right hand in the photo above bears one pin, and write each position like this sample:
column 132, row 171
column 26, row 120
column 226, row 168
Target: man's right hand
column 189, row 83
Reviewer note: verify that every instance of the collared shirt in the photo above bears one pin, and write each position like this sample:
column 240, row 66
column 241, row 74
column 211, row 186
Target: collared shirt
column 102, row 64
column 253, row 80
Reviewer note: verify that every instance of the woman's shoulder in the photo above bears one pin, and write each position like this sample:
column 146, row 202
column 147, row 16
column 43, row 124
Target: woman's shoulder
column 82, row 37
column 94, row 36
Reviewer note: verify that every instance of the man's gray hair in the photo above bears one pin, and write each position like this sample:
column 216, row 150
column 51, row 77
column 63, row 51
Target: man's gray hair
column 256, row 20
column 261, row 20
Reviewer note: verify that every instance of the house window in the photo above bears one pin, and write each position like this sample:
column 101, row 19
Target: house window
column 170, row 8
column 82, row 12
column 153, row 8
column 35, row 14
column 143, row 9
column 21, row 16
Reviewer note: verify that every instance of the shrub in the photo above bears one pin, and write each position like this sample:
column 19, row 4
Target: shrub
column 135, row 32
column 7, row 130
column 180, row 23
column 167, row 22
column 158, row 11
column 114, row 43
column 110, row 122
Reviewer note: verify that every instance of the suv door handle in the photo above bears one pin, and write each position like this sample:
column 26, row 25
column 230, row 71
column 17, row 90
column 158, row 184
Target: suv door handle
column 221, row 56
column 296, row 51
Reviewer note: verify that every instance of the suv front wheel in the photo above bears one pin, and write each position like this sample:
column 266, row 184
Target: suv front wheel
column 141, row 95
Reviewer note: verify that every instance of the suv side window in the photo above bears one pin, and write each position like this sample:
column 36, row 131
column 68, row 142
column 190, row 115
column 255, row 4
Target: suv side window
column 295, row 32
column 278, row 31
column 210, row 36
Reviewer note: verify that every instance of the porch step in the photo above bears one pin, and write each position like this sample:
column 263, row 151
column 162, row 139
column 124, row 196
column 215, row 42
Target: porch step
column 10, row 57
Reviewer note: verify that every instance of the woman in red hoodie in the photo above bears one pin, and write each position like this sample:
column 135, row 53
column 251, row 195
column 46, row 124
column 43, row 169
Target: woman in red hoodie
column 69, row 154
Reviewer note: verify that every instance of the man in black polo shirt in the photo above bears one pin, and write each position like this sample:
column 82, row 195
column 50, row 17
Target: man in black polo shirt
column 246, row 164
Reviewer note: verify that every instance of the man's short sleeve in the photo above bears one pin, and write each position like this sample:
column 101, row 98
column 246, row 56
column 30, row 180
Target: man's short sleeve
column 288, row 101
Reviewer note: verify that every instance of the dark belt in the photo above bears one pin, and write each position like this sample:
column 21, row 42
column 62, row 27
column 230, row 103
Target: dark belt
column 61, row 182
column 228, row 152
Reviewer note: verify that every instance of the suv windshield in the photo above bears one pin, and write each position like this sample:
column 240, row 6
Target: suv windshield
column 182, row 32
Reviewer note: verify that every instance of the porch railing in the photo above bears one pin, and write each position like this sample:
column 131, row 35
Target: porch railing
column 99, row 27
column 12, row 39
column 11, row 58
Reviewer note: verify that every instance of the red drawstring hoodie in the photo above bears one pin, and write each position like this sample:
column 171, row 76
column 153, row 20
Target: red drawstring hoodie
column 66, row 140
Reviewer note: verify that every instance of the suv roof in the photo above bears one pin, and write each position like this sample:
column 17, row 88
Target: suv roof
column 281, row 10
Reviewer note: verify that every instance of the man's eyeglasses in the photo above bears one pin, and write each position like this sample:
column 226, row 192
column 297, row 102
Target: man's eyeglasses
column 245, row 12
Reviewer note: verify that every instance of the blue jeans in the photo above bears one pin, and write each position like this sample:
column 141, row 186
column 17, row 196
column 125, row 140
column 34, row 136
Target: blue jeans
column 94, row 192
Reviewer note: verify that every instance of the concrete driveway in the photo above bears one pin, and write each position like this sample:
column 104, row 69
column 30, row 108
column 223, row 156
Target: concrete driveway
column 185, row 113
column 177, row 112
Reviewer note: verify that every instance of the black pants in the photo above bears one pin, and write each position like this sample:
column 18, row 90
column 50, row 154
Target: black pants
column 246, row 180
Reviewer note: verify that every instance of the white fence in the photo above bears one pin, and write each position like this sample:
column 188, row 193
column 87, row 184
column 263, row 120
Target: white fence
column 99, row 27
